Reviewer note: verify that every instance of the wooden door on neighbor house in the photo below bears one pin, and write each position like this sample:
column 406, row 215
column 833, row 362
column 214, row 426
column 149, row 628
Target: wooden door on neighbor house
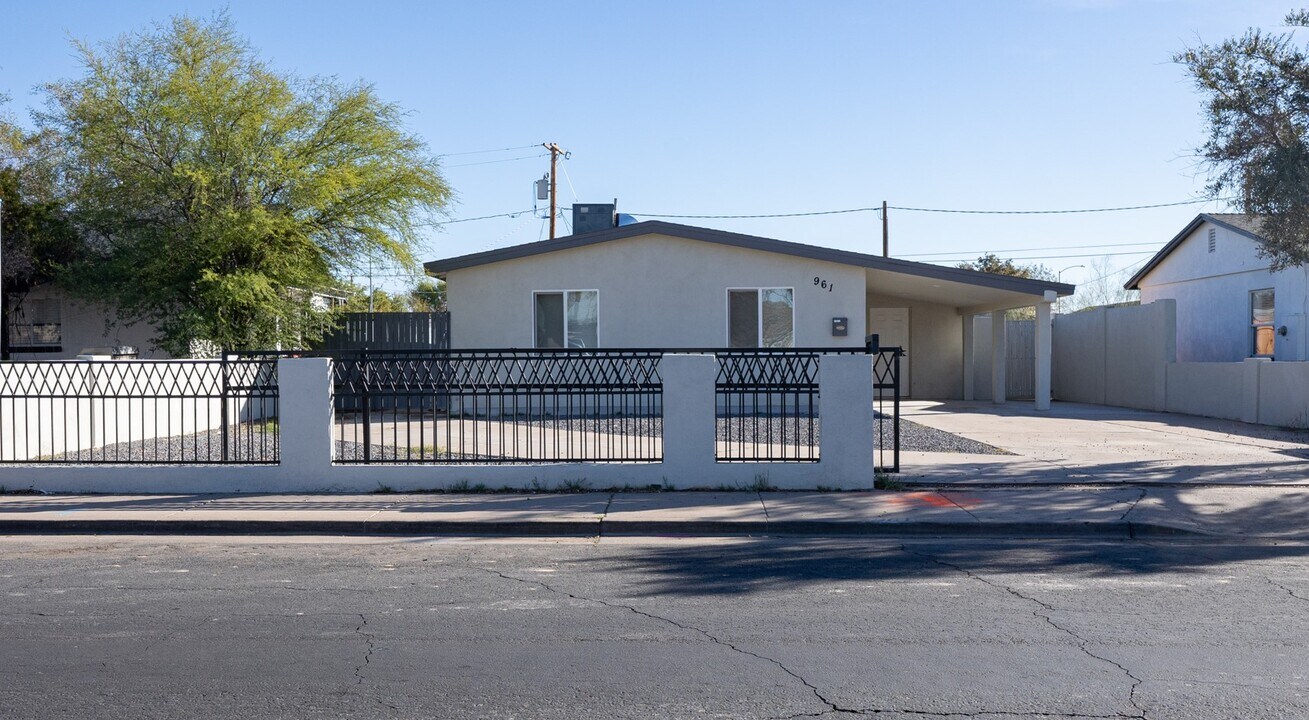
column 892, row 328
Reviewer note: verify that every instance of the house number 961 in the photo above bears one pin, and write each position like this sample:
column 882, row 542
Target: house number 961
column 823, row 284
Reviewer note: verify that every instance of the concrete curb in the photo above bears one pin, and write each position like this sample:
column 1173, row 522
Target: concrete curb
column 590, row 528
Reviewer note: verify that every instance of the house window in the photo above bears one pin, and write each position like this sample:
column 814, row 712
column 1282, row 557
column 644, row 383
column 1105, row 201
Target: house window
column 1213, row 239
column 36, row 324
column 761, row 317
column 567, row 318
column 1261, row 322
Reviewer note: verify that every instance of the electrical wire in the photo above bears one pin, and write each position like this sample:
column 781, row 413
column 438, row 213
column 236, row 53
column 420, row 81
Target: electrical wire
column 481, row 217
column 878, row 209
column 1054, row 257
column 483, row 152
column 1066, row 247
column 492, row 162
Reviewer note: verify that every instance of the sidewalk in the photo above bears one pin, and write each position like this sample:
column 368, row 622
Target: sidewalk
column 1280, row 513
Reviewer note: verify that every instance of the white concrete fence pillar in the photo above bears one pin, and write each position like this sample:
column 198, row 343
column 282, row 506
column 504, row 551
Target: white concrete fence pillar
column 999, row 357
column 305, row 419
column 845, row 404
column 690, row 412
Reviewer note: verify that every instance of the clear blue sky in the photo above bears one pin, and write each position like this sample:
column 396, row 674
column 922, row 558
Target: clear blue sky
column 759, row 107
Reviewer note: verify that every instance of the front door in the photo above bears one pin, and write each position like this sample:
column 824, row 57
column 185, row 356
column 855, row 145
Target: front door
column 892, row 327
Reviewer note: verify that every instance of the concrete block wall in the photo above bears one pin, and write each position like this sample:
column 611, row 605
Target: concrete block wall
column 1125, row 357
column 1115, row 355
column 306, row 425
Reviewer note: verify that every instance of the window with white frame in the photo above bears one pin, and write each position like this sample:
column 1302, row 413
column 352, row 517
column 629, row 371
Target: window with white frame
column 567, row 318
column 761, row 317
column 1262, row 334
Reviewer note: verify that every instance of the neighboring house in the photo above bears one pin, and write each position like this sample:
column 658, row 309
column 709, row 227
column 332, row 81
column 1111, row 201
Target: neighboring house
column 47, row 324
column 1230, row 306
column 658, row 284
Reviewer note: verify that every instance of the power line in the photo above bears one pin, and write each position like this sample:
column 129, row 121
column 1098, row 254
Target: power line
column 492, row 162
column 1066, row 247
column 483, row 152
column 1055, row 257
column 482, row 217
column 1059, row 212
column 877, row 209
column 775, row 215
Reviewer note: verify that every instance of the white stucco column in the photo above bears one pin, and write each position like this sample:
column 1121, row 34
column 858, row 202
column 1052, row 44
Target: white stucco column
column 997, row 357
column 690, row 424
column 845, row 389
column 305, row 417
column 1044, row 335
column 970, row 393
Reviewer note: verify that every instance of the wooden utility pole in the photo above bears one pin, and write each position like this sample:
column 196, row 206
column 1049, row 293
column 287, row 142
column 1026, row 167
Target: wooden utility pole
column 886, row 235
column 555, row 152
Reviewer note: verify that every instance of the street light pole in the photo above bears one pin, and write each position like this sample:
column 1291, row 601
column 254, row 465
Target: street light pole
column 1059, row 277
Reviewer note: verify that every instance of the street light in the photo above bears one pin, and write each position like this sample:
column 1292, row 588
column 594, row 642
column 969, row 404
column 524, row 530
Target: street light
column 1059, row 277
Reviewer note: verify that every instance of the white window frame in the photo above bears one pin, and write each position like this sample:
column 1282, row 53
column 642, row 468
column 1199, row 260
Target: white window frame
column 1254, row 327
column 565, row 298
column 759, row 312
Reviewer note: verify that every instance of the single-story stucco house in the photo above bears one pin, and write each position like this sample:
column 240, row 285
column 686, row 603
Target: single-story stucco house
column 1230, row 305
column 656, row 284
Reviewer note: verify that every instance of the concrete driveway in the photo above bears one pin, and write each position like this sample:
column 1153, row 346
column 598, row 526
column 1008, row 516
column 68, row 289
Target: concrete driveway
column 1076, row 443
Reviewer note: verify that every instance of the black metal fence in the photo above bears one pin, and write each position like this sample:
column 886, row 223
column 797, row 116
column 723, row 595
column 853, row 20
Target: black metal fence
column 886, row 409
column 498, row 406
column 767, row 406
column 139, row 411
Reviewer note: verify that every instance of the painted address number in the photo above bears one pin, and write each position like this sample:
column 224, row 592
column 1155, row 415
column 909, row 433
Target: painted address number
column 823, row 284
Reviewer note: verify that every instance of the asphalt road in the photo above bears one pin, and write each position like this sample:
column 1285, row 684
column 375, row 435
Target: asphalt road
column 315, row 628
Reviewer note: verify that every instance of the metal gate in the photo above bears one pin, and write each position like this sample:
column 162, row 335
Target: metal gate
column 886, row 410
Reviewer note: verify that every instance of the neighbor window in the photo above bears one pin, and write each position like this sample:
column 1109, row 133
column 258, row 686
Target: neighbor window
column 1261, row 322
column 567, row 318
column 36, row 324
column 761, row 317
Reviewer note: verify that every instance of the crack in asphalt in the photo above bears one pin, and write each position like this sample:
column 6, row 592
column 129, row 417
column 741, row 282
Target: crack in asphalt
column 1081, row 641
column 1286, row 589
column 368, row 654
column 369, row 643
column 1135, row 502
column 832, row 706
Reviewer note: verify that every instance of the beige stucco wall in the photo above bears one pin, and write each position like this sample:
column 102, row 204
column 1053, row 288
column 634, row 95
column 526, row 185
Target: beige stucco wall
column 1115, row 355
column 936, row 347
column 655, row 291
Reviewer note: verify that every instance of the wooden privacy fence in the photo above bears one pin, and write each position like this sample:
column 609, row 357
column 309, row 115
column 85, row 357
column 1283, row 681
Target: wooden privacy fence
column 390, row 331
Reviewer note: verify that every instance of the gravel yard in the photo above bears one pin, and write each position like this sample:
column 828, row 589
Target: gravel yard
column 253, row 445
column 248, row 445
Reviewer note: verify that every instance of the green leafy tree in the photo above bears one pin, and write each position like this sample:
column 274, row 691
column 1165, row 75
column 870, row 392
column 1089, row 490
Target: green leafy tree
column 428, row 295
column 992, row 263
column 214, row 193
column 1256, row 103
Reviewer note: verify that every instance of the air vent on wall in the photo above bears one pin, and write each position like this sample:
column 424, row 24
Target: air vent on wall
column 1213, row 239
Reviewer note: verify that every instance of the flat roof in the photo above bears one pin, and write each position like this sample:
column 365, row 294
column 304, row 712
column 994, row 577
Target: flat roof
column 1009, row 283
